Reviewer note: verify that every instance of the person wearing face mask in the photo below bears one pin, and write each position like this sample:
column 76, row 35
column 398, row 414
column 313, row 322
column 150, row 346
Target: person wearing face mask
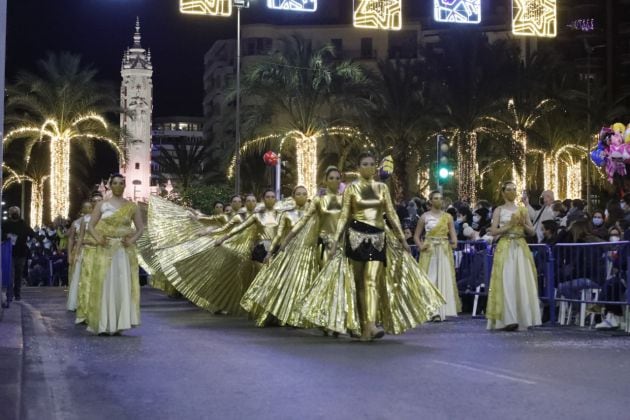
column 613, row 289
column 280, row 287
column 113, row 304
column 436, row 254
column 75, row 254
column 16, row 229
column 371, row 277
column 216, row 275
column 481, row 221
column 513, row 298
column 597, row 225
column 544, row 213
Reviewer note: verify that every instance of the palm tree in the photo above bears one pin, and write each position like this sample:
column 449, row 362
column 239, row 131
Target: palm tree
column 298, row 94
column 402, row 119
column 470, row 78
column 62, row 105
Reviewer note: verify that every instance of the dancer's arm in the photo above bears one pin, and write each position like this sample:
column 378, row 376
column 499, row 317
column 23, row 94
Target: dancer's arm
column 392, row 217
column 96, row 216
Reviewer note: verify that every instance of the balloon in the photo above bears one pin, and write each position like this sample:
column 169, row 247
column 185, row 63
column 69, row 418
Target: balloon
column 626, row 134
column 270, row 158
column 598, row 156
column 386, row 167
column 618, row 127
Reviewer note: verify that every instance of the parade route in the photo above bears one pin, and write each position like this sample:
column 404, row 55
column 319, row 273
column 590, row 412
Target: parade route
column 185, row 363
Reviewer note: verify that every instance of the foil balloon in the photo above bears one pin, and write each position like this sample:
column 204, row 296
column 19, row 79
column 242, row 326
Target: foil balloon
column 270, row 158
column 386, row 168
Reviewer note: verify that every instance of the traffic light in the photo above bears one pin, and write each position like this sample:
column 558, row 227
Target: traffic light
column 444, row 167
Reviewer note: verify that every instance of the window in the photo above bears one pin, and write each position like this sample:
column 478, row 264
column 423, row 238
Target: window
column 137, row 165
column 366, row 47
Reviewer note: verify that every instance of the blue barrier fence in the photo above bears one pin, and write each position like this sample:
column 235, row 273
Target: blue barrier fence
column 584, row 274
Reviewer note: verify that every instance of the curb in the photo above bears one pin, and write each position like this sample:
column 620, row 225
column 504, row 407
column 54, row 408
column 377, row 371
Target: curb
column 11, row 362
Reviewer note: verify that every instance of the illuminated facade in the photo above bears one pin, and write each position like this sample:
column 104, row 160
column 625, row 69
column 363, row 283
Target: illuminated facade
column 534, row 18
column 378, row 14
column 136, row 97
column 206, row 7
column 295, row 5
column 457, row 11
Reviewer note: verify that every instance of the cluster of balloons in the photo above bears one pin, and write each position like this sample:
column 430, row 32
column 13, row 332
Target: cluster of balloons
column 613, row 150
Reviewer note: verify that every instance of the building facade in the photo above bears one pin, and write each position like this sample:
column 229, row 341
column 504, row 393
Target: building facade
column 136, row 98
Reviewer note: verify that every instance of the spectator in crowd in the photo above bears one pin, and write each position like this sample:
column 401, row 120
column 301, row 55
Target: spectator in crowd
column 559, row 214
column 16, row 229
column 613, row 213
column 597, row 225
column 550, row 232
column 625, row 206
column 481, row 220
column 576, row 212
column 464, row 217
column 544, row 213
column 613, row 288
column 39, row 269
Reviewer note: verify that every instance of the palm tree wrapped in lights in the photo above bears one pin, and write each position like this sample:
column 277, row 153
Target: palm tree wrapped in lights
column 298, row 94
column 62, row 105
column 38, row 182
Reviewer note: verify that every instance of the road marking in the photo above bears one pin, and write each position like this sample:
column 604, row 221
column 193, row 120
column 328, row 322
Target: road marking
column 486, row 371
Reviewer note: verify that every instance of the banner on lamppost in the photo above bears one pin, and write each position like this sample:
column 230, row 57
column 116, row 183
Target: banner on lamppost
column 293, row 5
column 457, row 11
column 206, row 7
column 378, row 14
column 535, row 18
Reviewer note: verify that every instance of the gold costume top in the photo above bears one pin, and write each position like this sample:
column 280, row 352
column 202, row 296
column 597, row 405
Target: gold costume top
column 366, row 202
column 288, row 220
column 328, row 210
column 235, row 220
column 266, row 224
column 216, row 221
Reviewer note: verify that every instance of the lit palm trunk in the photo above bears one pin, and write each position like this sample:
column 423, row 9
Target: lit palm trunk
column 59, row 177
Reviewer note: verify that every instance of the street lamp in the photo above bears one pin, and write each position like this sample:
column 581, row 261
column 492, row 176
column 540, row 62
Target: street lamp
column 224, row 8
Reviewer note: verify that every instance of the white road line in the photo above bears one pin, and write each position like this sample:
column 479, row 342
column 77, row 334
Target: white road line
column 485, row 371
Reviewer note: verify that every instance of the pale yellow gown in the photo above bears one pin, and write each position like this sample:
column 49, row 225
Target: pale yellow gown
column 438, row 262
column 75, row 270
column 114, row 296
column 513, row 295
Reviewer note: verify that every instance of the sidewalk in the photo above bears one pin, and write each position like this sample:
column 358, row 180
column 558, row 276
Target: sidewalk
column 11, row 359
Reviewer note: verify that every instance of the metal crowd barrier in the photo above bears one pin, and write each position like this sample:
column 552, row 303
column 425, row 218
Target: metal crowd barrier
column 589, row 277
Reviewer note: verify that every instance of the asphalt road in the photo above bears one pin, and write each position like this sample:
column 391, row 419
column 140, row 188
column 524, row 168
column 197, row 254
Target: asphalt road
column 185, row 363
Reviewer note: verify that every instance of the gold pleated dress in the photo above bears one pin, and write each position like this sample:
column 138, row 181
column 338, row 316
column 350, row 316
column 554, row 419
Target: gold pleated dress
column 215, row 278
column 279, row 288
column 439, row 264
column 406, row 297
column 513, row 295
column 89, row 253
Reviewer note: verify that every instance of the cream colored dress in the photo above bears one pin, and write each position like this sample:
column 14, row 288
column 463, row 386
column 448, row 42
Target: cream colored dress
column 513, row 296
column 439, row 264
column 75, row 277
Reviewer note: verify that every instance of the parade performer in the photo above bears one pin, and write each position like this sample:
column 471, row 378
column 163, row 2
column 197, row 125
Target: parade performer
column 436, row 254
column 372, row 277
column 216, row 277
column 75, row 253
column 513, row 296
column 114, row 301
column 279, row 286
column 89, row 252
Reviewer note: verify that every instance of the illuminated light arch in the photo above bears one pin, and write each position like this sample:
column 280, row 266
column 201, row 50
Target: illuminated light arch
column 535, row 18
column 378, row 14
column 206, row 7
column 457, row 11
column 293, row 5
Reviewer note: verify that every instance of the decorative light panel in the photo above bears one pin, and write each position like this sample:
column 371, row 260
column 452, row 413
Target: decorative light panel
column 293, row 5
column 206, row 7
column 457, row 11
column 534, row 18
column 378, row 14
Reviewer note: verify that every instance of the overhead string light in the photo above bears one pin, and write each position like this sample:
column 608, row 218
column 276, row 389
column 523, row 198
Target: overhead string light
column 378, row 14
column 535, row 18
column 457, row 11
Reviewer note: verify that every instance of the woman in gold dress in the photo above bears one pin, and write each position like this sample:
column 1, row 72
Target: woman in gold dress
column 216, row 277
column 114, row 301
column 89, row 252
column 513, row 297
column 373, row 278
column 279, row 288
column 75, row 254
column 436, row 254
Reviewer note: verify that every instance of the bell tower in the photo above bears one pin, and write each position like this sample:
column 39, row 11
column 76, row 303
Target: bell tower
column 136, row 98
